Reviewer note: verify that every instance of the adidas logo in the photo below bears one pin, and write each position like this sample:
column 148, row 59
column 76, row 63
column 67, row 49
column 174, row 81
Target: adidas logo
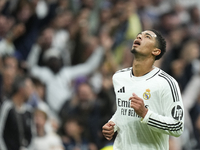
column 122, row 90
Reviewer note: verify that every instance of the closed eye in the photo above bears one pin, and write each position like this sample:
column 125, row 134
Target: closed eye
column 148, row 36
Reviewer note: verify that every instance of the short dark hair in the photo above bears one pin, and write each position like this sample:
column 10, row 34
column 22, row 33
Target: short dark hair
column 161, row 43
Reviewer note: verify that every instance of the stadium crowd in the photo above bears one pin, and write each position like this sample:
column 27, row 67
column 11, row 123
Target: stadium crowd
column 57, row 58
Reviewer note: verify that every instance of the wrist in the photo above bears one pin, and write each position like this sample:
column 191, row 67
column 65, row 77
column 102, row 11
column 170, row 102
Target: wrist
column 145, row 112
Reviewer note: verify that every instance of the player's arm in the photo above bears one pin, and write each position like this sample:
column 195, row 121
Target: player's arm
column 110, row 127
column 171, row 121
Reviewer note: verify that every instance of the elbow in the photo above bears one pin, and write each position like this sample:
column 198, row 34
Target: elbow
column 178, row 133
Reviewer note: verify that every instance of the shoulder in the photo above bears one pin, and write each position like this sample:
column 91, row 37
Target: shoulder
column 169, row 85
column 54, row 138
column 168, row 82
column 166, row 78
column 6, row 105
column 122, row 72
column 28, row 109
column 6, row 109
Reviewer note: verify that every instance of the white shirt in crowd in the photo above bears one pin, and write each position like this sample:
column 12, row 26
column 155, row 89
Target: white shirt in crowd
column 50, row 141
column 59, row 86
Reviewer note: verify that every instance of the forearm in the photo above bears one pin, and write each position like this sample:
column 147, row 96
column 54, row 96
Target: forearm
column 164, row 124
column 33, row 56
column 114, row 119
column 90, row 65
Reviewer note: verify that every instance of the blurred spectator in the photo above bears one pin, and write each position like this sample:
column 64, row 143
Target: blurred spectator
column 105, row 90
column 183, row 68
column 37, row 96
column 44, row 140
column 176, row 39
column 93, row 9
column 83, row 40
column 16, row 117
column 37, row 101
column 27, row 26
column 60, row 41
column 27, row 23
column 9, row 70
column 63, row 5
column 194, row 22
column 58, row 78
column 182, row 13
column 44, row 43
column 192, row 107
column 86, row 105
column 6, row 46
column 73, row 134
column 168, row 22
column 128, row 26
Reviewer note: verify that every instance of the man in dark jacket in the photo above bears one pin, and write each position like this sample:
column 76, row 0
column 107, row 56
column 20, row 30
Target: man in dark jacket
column 16, row 117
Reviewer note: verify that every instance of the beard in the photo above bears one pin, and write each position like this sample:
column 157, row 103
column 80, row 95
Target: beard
column 133, row 51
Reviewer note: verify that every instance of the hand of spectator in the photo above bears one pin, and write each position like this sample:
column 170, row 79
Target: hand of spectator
column 138, row 105
column 113, row 23
column 17, row 31
column 106, row 41
column 46, row 38
column 107, row 83
column 108, row 130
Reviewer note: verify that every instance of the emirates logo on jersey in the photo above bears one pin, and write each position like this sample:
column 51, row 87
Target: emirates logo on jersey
column 147, row 94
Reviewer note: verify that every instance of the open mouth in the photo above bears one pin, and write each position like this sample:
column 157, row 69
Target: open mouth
column 137, row 42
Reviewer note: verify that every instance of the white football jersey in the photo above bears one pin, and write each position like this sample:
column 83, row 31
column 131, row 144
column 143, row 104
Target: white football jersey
column 165, row 116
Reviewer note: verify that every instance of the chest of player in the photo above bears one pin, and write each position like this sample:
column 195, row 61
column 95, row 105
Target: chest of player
column 149, row 91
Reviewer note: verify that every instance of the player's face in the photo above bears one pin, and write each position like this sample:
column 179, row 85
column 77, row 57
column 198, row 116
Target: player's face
column 144, row 43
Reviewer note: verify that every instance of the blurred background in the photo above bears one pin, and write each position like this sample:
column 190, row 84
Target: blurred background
column 57, row 58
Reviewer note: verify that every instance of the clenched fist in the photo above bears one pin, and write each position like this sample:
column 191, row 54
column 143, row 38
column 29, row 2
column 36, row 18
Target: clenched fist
column 138, row 105
column 108, row 130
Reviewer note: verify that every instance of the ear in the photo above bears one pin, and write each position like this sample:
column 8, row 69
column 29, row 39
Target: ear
column 156, row 52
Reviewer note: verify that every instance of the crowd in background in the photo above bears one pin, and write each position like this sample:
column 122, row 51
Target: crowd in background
column 57, row 58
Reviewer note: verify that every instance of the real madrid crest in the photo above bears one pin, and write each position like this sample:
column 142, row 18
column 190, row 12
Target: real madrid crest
column 147, row 94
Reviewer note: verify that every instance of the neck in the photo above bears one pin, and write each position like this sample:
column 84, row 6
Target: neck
column 142, row 66
column 40, row 132
column 77, row 138
column 18, row 100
